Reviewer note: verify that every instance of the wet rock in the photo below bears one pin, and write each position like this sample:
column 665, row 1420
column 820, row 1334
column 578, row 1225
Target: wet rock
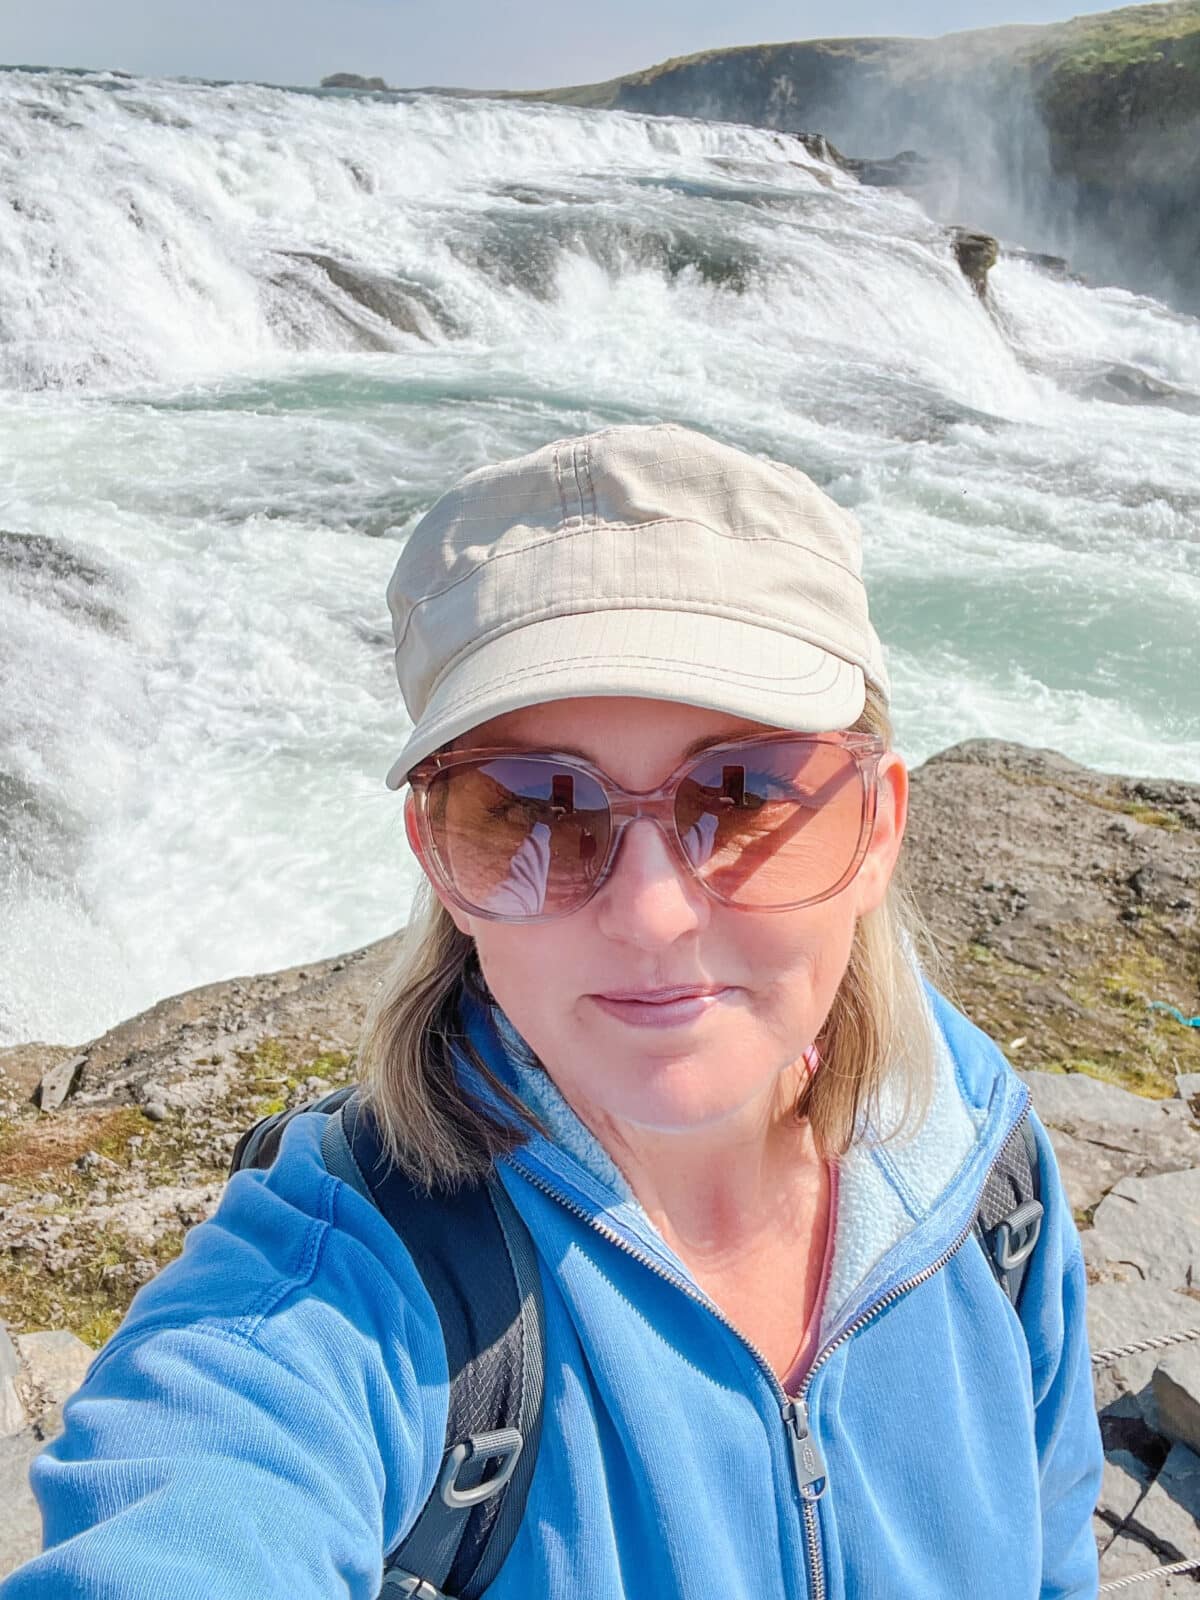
column 1053, row 266
column 1123, row 385
column 58, row 1082
column 395, row 302
column 907, row 170
column 976, row 254
column 352, row 80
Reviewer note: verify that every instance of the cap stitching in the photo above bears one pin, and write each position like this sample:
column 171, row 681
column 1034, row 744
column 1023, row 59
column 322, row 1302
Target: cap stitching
column 562, row 500
column 587, row 468
column 548, row 613
column 478, row 641
column 772, row 688
column 628, row 527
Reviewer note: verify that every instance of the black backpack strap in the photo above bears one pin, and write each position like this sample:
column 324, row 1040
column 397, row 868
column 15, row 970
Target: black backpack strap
column 259, row 1145
column 1009, row 1219
column 478, row 1262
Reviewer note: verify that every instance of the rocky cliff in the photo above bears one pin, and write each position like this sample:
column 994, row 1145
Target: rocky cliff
column 1077, row 137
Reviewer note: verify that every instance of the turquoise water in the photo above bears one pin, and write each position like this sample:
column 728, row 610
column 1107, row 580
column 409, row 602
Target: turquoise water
column 246, row 336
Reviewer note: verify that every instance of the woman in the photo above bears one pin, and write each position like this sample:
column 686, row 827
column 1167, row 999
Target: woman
column 664, row 985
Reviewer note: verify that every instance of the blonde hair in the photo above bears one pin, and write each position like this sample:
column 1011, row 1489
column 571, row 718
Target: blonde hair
column 879, row 1031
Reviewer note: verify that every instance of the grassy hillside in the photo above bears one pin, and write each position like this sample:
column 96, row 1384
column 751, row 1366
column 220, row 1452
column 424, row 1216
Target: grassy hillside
column 1079, row 137
column 1079, row 51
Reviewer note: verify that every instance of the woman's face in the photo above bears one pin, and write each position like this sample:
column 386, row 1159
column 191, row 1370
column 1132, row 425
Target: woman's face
column 772, row 976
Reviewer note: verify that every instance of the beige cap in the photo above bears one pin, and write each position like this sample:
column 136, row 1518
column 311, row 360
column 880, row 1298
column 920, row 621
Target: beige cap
column 645, row 560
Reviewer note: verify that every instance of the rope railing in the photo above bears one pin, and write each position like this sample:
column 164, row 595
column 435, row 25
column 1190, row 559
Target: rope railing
column 1155, row 1572
column 1105, row 1358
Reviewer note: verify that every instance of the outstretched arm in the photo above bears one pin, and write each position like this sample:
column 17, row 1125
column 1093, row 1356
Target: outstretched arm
column 265, row 1421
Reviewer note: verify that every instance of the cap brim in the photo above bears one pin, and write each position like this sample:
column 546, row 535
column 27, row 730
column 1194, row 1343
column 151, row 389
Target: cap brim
column 719, row 662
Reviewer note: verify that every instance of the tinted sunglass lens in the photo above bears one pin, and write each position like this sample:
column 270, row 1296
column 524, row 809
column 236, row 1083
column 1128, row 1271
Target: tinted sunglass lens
column 519, row 836
column 772, row 824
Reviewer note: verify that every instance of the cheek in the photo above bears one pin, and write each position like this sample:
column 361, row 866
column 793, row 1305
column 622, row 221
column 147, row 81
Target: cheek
column 814, row 941
column 534, row 972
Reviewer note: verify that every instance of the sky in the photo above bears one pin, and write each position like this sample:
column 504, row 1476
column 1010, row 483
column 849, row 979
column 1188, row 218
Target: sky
column 496, row 44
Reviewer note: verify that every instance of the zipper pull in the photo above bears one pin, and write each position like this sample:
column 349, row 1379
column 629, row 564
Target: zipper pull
column 807, row 1461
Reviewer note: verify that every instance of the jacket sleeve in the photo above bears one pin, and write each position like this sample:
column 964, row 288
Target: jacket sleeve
column 267, row 1420
column 1070, row 1451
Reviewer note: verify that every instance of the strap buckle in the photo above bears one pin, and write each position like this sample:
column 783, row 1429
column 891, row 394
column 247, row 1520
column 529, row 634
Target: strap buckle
column 504, row 1444
column 407, row 1586
column 1016, row 1235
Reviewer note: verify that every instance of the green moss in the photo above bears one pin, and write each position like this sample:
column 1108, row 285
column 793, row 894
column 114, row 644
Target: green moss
column 39, row 1154
column 1147, row 814
column 87, row 1297
column 1104, row 800
column 334, row 1064
column 1114, row 40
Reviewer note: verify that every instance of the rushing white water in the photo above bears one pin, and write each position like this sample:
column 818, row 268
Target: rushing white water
column 247, row 335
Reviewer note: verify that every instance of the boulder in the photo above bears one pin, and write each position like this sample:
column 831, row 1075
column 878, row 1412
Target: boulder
column 12, row 1412
column 55, row 1365
column 58, row 1082
column 1088, row 1170
column 1176, row 1385
column 1086, row 1105
column 1148, row 1229
column 1121, row 1314
column 1102, row 1133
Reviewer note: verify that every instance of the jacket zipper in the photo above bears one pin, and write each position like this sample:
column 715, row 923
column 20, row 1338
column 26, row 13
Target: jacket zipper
column 808, row 1464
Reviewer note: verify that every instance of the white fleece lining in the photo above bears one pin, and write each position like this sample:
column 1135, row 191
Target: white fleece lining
column 884, row 1190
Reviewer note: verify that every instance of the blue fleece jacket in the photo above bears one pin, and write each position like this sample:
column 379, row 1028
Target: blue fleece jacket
column 270, row 1416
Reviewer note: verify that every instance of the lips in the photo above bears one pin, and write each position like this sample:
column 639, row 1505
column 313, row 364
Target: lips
column 660, row 997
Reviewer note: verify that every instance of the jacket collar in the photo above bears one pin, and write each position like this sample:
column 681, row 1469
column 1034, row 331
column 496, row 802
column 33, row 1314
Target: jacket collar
column 901, row 1203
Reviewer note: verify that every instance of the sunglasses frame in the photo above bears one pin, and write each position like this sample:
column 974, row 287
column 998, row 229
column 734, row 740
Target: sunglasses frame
column 627, row 805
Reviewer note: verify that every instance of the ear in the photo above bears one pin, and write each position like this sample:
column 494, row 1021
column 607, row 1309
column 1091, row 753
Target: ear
column 891, row 817
column 461, row 919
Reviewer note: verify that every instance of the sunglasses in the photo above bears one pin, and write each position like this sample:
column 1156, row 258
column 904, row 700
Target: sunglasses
column 768, row 822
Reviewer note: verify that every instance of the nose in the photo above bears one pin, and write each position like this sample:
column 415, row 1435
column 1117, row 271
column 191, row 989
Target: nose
column 650, row 898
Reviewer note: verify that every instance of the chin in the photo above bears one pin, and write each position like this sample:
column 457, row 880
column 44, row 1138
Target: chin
column 689, row 1099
